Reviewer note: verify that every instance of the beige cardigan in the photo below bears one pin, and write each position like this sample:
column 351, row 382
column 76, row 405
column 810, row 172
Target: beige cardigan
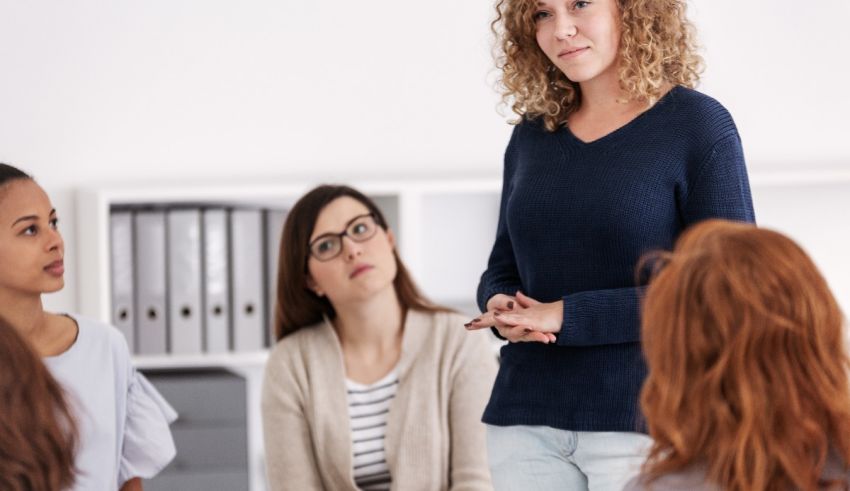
column 435, row 438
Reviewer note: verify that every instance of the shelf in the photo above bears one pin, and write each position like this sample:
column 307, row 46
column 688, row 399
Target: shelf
column 226, row 360
column 426, row 215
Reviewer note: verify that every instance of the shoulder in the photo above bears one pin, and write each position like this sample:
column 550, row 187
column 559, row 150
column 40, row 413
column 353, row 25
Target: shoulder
column 688, row 99
column 528, row 127
column 448, row 338
column 97, row 335
column 445, row 326
column 299, row 346
column 699, row 115
column 692, row 478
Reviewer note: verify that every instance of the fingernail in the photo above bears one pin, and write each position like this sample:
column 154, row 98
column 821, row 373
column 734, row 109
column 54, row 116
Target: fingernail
column 527, row 330
column 477, row 319
column 510, row 305
column 467, row 324
column 496, row 314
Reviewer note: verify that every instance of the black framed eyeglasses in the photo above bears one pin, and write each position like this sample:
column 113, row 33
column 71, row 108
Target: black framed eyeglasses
column 359, row 229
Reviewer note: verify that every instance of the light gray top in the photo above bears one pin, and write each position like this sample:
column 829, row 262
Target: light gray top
column 693, row 479
column 121, row 418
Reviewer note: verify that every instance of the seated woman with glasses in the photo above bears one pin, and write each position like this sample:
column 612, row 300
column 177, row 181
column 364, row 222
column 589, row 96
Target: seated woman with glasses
column 371, row 385
column 747, row 386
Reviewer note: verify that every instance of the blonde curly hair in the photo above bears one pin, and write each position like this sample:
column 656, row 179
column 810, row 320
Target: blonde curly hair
column 657, row 49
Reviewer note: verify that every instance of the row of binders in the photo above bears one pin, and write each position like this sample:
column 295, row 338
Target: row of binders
column 194, row 279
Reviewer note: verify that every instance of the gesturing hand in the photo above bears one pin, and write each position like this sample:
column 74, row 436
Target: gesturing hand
column 521, row 318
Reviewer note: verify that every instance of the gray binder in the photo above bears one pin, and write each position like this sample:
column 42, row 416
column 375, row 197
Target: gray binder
column 121, row 263
column 150, row 282
column 246, row 257
column 216, row 283
column 274, row 229
column 184, row 281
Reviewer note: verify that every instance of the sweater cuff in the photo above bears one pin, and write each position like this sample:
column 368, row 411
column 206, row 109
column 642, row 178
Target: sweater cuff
column 572, row 316
column 487, row 294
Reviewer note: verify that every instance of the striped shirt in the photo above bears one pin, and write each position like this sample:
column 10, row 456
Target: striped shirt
column 368, row 408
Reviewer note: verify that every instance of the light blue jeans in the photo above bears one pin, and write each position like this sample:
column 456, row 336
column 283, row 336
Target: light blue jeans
column 528, row 458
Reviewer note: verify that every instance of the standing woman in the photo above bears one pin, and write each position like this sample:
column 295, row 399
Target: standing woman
column 615, row 154
column 121, row 419
column 370, row 385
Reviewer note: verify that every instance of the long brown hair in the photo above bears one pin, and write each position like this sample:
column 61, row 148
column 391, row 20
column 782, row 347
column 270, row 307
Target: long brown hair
column 297, row 306
column 38, row 435
column 747, row 365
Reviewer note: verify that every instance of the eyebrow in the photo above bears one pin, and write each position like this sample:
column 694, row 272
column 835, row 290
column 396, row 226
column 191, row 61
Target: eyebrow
column 344, row 229
column 32, row 217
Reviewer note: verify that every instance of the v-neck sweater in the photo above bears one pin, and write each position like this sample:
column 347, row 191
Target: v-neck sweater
column 575, row 218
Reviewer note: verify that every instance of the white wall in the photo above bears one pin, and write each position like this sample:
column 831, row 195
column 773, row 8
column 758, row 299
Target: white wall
column 96, row 91
column 781, row 67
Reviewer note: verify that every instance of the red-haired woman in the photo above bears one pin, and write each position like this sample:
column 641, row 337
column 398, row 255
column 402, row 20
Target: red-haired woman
column 37, row 431
column 747, row 386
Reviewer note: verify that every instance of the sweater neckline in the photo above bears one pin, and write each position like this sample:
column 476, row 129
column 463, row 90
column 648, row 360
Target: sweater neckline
column 624, row 129
column 73, row 348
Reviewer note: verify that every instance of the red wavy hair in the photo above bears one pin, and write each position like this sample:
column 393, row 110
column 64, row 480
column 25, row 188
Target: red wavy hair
column 747, row 364
column 37, row 431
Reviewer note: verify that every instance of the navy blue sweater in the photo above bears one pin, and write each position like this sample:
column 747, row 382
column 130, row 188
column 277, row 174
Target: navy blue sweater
column 575, row 219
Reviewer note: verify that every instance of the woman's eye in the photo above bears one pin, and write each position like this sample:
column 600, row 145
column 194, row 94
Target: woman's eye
column 580, row 4
column 54, row 223
column 540, row 15
column 31, row 230
column 359, row 229
column 325, row 245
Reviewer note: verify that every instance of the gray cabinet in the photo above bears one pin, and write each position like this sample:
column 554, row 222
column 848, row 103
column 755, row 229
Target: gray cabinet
column 211, row 434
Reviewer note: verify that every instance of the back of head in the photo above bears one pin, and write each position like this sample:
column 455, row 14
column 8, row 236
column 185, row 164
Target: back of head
column 747, row 365
column 37, row 432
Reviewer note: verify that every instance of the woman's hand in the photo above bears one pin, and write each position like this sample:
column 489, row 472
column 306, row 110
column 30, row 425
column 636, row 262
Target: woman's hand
column 521, row 318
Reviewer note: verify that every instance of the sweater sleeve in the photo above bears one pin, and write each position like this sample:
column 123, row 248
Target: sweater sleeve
column 475, row 371
column 290, row 461
column 720, row 189
column 501, row 275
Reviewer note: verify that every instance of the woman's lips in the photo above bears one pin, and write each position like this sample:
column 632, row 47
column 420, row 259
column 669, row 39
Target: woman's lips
column 56, row 268
column 359, row 270
column 571, row 53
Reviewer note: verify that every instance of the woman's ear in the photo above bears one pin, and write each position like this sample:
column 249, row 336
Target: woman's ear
column 312, row 286
column 391, row 238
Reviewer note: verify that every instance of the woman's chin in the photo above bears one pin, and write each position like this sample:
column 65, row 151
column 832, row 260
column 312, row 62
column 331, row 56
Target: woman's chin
column 54, row 286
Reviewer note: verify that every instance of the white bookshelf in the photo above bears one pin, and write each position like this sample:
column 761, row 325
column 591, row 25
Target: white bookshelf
column 435, row 221
column 445, row 229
